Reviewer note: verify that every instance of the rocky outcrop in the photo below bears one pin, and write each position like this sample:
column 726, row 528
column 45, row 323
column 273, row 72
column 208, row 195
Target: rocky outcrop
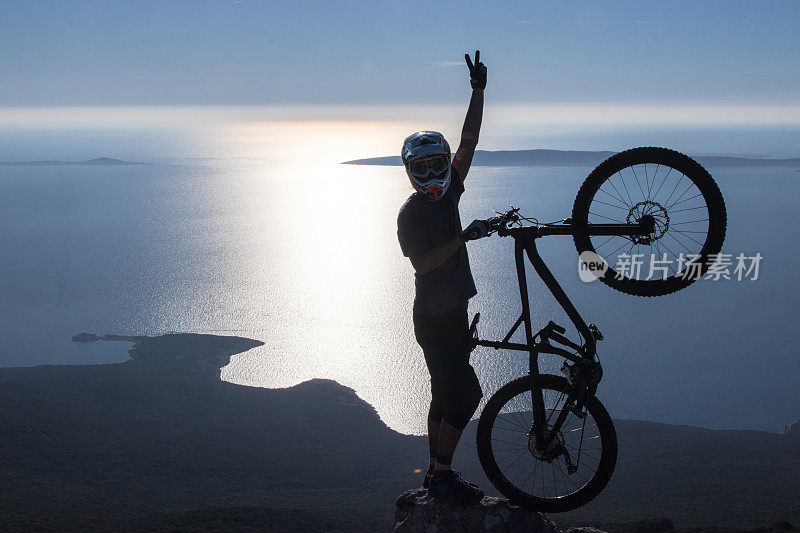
column 415, row 511
column 191, row 354
column 85, row 337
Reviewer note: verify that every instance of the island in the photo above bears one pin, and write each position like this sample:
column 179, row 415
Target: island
column 97, row 162
column 578, row 158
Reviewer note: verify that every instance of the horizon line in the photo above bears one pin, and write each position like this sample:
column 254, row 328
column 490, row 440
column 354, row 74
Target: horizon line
column 637, row 114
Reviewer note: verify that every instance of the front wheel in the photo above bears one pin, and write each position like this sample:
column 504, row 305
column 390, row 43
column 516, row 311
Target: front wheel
column 575, row 466
column 670, row 192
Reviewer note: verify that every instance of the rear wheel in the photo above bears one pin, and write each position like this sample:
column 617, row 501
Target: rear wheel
column 577, row 464
column 667, row 189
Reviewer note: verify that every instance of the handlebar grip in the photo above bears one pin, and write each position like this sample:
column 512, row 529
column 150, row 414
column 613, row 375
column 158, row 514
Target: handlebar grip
column 473, row 234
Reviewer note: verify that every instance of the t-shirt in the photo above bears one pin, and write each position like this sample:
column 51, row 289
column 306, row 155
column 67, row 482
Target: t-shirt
column 426, row 224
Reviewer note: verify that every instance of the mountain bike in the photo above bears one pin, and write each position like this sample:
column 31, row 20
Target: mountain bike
column 546, row 442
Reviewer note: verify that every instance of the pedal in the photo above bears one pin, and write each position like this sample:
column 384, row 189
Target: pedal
column 595, row 332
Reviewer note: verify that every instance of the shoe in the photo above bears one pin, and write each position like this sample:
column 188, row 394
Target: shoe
column 453, row 488
column 427, row 480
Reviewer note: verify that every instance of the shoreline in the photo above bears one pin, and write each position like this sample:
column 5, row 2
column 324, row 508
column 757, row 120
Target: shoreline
column 91, row 337
column 162, row 433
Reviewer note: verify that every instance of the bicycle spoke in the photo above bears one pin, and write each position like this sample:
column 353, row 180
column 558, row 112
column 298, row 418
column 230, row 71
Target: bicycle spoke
column 511, row 454
column 533, row 473
column 681, row 196
column 611, row 205
column 619, row 193
column 675, row 234
column 673, row 190
column 515, row 423
column 566, row 478
column 688, row 221
column 515, row 430
column 626, row 187
column 637, row 182
column 611, row 219
column 688, row 237
column 623, row 244
column 583, row 452
column 690, row 209
column 662, row 183
column 614, row 197
column 597, row 248
column 517, row 459
column 506, row 442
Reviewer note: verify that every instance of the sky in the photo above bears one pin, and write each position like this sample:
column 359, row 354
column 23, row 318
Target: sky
column 243, row 52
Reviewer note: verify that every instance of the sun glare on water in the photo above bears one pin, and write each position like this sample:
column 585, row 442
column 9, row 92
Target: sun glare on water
column 325, row 259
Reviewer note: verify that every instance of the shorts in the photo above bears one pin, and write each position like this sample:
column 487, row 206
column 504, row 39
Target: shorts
column 455, row 390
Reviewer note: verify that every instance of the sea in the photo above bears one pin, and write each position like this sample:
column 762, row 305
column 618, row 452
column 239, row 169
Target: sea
column 257, row 229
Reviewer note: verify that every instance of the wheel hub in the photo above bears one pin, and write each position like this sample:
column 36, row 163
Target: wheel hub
column 650, row 214
column 553, row 449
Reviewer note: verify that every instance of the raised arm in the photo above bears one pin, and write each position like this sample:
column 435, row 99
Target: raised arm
column 472, row 123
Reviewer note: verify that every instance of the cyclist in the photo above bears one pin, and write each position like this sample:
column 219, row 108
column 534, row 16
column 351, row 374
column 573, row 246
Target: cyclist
column 430, row 235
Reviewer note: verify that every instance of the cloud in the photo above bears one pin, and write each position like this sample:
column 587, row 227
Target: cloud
column 449, row 63
column 523, row 22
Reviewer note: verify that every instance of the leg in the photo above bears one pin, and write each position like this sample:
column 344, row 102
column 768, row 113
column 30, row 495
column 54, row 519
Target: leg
column 449, row 436
column 434, row 423
column 433, row 432
column 455, row 394
column 462, row 391
column 454, row 385
column 425, row 331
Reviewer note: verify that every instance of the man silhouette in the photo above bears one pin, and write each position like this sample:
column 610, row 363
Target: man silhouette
column 430, row 235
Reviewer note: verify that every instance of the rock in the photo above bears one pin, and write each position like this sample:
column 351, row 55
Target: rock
column 652, row 525
column 85, row 337
column 416, row 511
column 793, row 429
column 584, row 529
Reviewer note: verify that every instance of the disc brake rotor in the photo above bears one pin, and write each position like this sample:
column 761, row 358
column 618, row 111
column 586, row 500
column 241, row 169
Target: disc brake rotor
column 652, row 212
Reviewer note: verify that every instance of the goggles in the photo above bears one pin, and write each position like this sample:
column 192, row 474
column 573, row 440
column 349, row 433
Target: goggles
column 429, row 167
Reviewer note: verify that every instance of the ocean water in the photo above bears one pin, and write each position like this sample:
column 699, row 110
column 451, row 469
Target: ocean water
column 281, row 243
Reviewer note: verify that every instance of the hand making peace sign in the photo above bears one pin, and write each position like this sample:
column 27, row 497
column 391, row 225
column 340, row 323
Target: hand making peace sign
column 477, row 71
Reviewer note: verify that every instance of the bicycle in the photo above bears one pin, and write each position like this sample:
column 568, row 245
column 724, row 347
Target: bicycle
column 538, row 423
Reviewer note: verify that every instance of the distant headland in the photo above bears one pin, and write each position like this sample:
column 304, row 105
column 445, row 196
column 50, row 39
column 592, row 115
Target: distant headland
column 100, row 162
column 566, row 158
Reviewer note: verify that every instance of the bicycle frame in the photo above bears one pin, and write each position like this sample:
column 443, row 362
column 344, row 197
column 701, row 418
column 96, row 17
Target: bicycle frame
column 525, row 244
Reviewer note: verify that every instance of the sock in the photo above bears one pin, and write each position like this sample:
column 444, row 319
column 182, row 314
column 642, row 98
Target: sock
column 441, row 468
column 432, row 464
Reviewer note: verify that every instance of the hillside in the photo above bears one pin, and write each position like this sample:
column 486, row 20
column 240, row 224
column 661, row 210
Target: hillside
column 161, row 434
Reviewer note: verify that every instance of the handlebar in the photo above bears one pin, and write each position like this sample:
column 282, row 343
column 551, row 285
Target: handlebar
column 503, row 222
column 493, row 224
column 504, row 219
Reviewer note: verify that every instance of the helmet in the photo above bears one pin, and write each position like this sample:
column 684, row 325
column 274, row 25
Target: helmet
column 426, row 156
